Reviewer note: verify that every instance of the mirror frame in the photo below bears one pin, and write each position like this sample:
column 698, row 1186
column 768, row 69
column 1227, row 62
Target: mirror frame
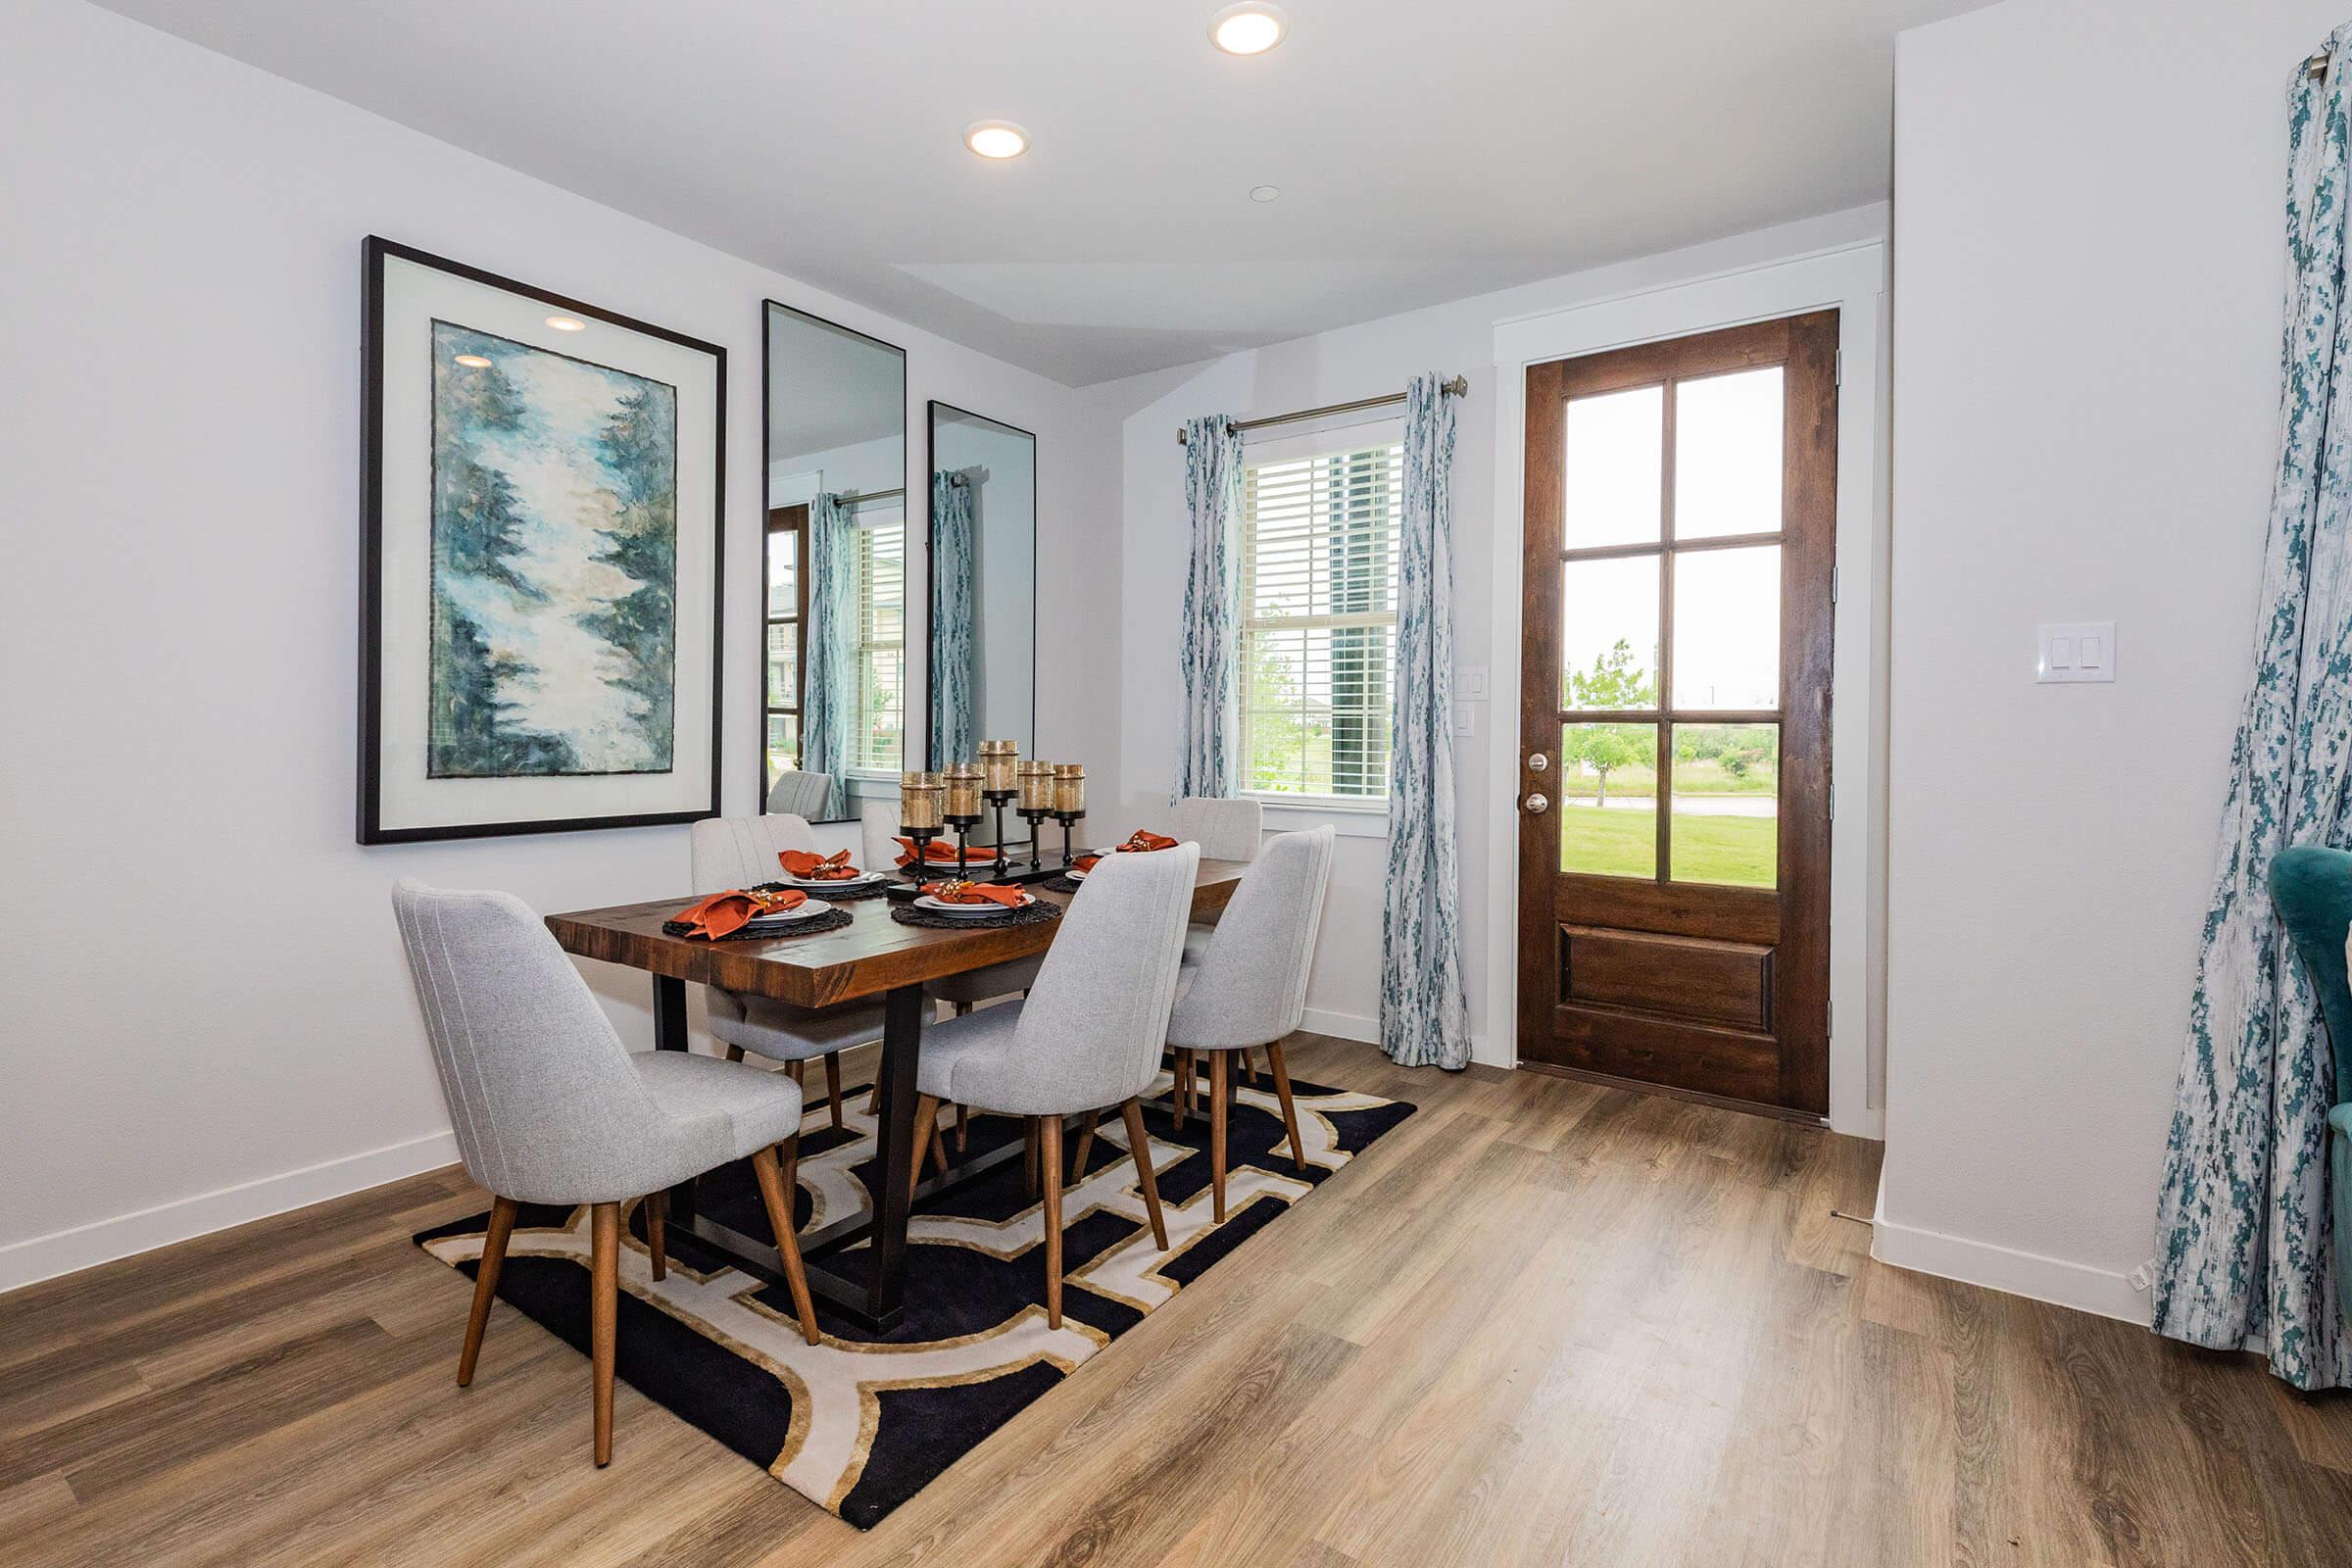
column 767, row 376
column 931, row 414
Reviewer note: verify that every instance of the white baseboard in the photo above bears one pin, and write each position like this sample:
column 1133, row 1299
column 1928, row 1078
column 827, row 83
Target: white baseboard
column 41, row 1257
column 1355, row 1026
column 2001, row 1268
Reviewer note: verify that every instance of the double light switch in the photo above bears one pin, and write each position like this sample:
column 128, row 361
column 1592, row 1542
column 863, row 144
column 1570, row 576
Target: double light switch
column 2077, row 650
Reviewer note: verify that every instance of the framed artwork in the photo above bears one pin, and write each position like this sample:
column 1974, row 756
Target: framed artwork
column 543, row 503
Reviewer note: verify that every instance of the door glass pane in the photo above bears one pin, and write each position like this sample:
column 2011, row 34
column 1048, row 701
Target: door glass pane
column 783, row 665
column 1614, row 463
column 1727, row 804
column 1727, row 628
column 783, row 744
column 1609, row 633
column 1608, row 808
column 1727, row 455
column 783, row 573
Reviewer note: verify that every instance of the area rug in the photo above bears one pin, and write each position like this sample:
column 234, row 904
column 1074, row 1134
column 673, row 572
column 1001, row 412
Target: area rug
column 860, row 1423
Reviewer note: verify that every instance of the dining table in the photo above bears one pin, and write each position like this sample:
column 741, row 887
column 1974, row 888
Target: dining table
column 873, row 955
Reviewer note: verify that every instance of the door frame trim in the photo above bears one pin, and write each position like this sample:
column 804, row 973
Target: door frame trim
column 1850, row 279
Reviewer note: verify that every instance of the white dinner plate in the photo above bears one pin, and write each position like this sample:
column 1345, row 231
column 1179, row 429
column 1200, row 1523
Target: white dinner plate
column 808, row 910
column 862, row 879
column 936, row 907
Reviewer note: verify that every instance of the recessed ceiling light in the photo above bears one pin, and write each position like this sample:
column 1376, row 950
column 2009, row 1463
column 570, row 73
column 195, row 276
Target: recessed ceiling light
column 996, row 138
column 1251, row 29
column 1265, row 193
column 473, row 362
column 566, row 323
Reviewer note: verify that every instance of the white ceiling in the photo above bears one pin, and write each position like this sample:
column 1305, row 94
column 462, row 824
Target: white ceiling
column 1425, row 151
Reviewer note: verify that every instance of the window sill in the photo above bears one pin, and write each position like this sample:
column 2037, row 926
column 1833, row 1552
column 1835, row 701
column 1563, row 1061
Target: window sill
column 1287, row 814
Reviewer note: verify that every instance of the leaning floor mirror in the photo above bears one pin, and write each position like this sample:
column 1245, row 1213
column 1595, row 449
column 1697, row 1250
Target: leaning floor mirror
column 982, row 640
column 834, row 704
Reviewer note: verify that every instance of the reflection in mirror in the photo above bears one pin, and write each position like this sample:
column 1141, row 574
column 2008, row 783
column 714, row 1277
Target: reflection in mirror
column 833, row 704
column 983, row 621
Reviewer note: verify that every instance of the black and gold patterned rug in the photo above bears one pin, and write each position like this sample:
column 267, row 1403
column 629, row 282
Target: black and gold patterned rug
column 860, row 1423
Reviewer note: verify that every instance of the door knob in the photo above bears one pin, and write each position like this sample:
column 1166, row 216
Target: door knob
column 1537, row 763
column 1537, row 805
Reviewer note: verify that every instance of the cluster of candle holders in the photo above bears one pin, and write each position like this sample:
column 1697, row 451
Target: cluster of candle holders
column 929, row 803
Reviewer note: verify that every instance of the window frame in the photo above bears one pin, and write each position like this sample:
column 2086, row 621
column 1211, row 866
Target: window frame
column 859, row 766
column 792, row 519
column 1359, row 815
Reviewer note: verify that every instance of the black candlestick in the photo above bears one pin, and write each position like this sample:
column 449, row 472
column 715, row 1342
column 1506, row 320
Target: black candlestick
column 1035, row 816
column 998, row 799
column 963, row 826
column 922, row 837
column 1068, row 820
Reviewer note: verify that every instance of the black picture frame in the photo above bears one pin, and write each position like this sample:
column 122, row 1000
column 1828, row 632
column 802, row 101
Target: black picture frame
column 931, row 412
column 375, row 253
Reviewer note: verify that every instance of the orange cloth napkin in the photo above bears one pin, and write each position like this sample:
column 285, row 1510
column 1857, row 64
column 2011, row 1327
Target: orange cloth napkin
column 1143, row 841
column 813, row 867
column 1011, row 898
column 934, row 854
column 725, row 913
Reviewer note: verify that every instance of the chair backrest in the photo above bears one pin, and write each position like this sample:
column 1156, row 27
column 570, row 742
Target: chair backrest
column 539, row 1087
column 880, row 821
column 736, row 851
column 1251, row 986
column 2311, row 889
column 1097, row 1016
column 1225, row 830
column 803, row 795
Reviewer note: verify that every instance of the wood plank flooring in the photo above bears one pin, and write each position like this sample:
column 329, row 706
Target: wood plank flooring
column 1543, row 1322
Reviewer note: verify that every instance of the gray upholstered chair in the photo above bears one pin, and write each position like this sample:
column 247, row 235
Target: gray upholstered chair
column 736, row 851
column 1088, row 1036
column 1249, row 988
column 550, row 1107
column 801, row 795
column 1225, row 830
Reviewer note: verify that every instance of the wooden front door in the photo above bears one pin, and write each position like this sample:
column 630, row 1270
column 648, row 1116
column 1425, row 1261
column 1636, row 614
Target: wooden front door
column 1673, row 759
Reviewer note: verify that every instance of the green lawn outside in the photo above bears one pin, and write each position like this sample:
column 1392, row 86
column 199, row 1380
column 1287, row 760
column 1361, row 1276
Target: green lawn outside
column 1735, row 850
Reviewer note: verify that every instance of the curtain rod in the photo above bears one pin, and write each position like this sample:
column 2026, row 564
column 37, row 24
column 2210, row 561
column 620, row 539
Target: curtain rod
column 2317, row 65
column 1460, row 386
column 899, row 494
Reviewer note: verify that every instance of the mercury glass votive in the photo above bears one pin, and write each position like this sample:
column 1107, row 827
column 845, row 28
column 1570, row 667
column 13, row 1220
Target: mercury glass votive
column 921, row 802
column 962, row 781
column 1037, row 786
column 1070, row 788
column 1000, row 762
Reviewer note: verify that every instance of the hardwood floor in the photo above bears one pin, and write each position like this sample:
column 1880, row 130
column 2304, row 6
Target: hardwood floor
column 1543, row 1322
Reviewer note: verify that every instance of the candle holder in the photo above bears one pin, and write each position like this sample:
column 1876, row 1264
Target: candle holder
column 1000, row 764
column 963, row 814
column 1068, row 820
column 1037, row 806
column 920, row 818
column 1069, row 802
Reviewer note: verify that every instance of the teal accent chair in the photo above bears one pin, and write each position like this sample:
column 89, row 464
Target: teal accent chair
column 2310, row 888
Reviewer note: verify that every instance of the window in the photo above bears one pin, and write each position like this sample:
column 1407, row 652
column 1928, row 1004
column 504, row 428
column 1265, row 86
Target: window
column 786, row 577
column 1319, row 553
column 881, row 659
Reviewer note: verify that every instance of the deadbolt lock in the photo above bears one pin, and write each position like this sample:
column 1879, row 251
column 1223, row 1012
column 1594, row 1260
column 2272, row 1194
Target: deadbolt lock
column 1537, row 763
column 1537, row 805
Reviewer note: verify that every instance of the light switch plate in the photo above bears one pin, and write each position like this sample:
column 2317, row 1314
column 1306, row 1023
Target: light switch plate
column 2071, row 652
column 1470, row 684
column 1465, row 718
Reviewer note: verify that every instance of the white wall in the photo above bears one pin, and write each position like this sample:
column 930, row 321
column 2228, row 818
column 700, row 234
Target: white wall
column 1363, row 361
column 2089, row 266
column 207, row 1016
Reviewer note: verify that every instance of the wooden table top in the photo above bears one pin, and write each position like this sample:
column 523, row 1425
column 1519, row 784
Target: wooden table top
column 871, row 955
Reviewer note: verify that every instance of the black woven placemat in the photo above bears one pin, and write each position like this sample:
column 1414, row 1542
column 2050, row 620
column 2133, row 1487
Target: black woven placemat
column 830, row 894
column 830, row 921
column 1060, row 884
column 1037, row 913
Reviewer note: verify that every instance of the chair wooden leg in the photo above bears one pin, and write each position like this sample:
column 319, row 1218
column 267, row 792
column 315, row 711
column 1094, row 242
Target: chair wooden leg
column 1086, row 1145
column 1250, row 1064
column 777, row 1197
column 1029, row 1152
column 833, row 1086
column 1139, row 1143
column 939, row 1146
column 1049, row 1140
column 788, row 1160
column 1290, row 1110
column 800, row 1075
column 963, row 1128
column 734, row 1053
column 604, row 1316
column 926, row 1131
column 485, row 1285
column 963, row 1009
column 1180, row 1093
column 1219, row 1092
column 656, row 1231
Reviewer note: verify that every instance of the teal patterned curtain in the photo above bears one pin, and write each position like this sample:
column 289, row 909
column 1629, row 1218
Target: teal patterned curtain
column 2242, row 1243
column 1207, row 760
column 952, row 671
column 829, row 695
column 1424, row 1017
